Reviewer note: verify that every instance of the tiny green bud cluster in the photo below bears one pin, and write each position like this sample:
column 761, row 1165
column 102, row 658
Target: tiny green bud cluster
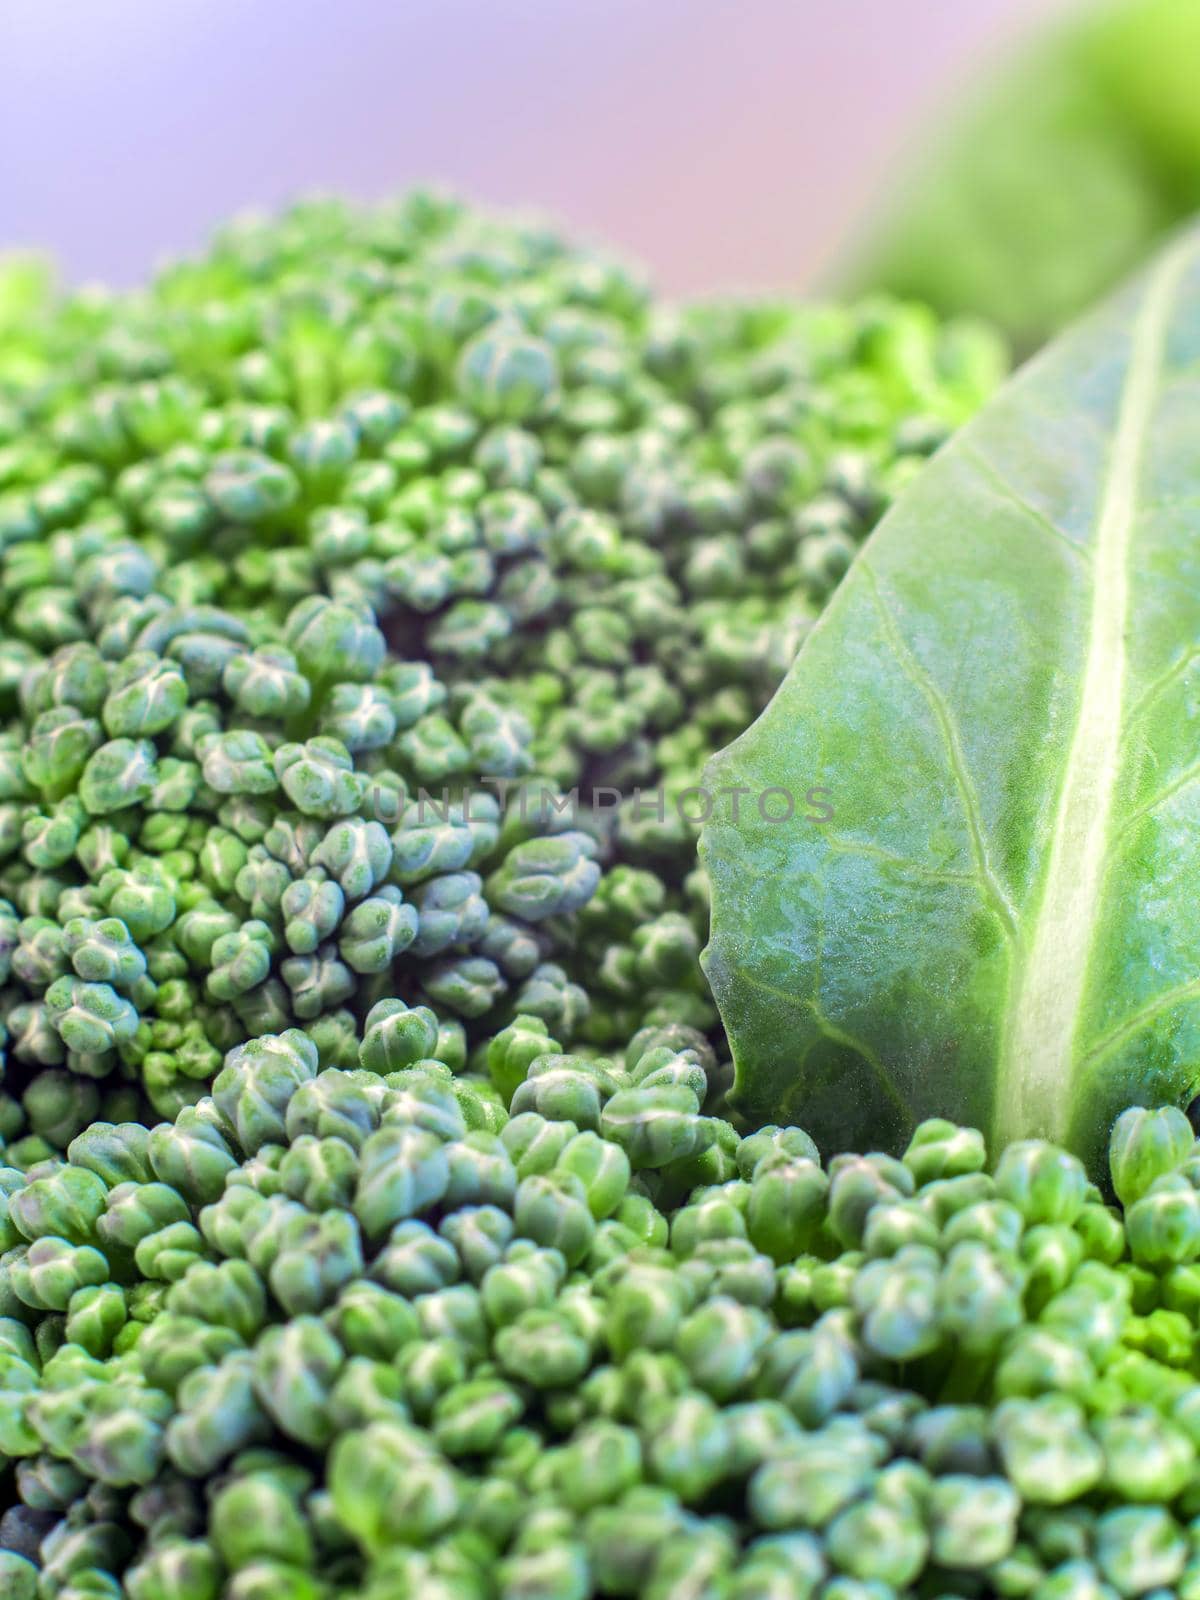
column 365, row 1330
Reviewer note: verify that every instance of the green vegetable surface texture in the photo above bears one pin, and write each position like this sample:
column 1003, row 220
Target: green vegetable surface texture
column 1046, row 186
column 365, row 508
column 371, row 1224
column 999, row 922
column 343, row 1336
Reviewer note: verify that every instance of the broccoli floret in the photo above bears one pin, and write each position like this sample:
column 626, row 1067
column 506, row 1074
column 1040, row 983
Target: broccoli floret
column 372, row 587
column 372, row 594
column 336, row 1330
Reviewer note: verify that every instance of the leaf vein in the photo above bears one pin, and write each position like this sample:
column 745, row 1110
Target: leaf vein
column 1132, row 1024
column 892, row 858
column 943, row 717
column 1007, row 492
column 1037, row 1050
column 1180, row 781
column 835, row 1034
column 1162, row 683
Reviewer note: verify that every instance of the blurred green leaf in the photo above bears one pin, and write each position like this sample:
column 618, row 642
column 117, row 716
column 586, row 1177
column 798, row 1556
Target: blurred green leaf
column 1041, row 190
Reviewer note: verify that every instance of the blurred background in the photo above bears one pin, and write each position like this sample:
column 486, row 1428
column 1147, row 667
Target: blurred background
column 726, row 143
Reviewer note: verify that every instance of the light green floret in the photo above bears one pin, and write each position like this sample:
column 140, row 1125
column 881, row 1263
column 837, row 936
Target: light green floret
column 372, row 593
column 367, row 1330
column 362, row 506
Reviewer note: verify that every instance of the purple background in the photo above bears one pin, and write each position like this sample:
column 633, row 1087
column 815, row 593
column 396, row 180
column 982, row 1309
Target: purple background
column 725, row 143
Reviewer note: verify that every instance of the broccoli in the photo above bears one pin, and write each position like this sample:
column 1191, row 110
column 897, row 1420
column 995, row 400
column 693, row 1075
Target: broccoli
column 371, row 590
column 372, row 594
column 337, row 1332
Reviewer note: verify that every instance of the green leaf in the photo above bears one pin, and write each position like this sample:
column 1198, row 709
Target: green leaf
column 1054, row 178
column 1000, row 924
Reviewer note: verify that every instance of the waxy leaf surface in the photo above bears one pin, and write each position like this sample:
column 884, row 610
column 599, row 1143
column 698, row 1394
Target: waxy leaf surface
column 1001, row 922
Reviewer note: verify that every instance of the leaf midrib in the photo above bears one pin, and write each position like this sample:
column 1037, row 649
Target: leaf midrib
column 1037, row 1047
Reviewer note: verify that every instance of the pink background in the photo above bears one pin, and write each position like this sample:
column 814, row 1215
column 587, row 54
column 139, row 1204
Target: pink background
column 725, row 143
